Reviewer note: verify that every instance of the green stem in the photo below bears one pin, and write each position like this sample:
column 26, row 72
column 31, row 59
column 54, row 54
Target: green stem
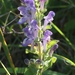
column 4, row 45
column 40, row 51
column 39, row 42
column 39, row 33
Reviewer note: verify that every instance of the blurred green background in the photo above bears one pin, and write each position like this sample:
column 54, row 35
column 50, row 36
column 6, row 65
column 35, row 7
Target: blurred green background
column 64, row 20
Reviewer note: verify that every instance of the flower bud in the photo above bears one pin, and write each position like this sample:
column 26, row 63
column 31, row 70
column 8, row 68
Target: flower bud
column 42, row 2
column 26, row 61
column 53, row 49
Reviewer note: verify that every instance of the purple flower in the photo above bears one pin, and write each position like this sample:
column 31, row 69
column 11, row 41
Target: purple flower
column 22, row 20
column 48, row 18
column 42, row 4
column 47, row 33
column 27, row 41
column 27, row 11
column 28, row 32
column 28, row 2
column 53, row 49
column 23, row 10
column 31, row 32
column 35, row 28
column 27, row 62
column 46, row 38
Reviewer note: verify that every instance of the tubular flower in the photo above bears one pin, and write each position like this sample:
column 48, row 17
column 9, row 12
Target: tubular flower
column 48, row 18
column 22, row 20
column 28, row 2
column 28, row 11
column 46, row 38
column 27, row 41
column 42, row 2
column 31, row 32
column 53, row 49
column 30, row 37
column 28, row 32
column 35, row 28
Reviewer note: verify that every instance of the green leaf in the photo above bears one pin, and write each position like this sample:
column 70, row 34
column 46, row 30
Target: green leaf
column 54, row 59
column 48, row 27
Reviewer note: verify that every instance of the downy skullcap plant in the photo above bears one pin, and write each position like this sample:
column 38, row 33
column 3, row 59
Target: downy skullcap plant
column 37, row 33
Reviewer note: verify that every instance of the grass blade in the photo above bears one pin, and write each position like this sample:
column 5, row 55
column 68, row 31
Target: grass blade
column 68, row 41
column 4, row 45
column 5, row 68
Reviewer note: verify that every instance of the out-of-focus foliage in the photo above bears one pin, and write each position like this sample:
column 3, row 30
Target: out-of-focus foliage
column 64, row 19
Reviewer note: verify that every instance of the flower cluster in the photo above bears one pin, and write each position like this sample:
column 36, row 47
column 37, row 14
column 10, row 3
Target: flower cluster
column 32, row 30
column 37, row 35
column 27, row 10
